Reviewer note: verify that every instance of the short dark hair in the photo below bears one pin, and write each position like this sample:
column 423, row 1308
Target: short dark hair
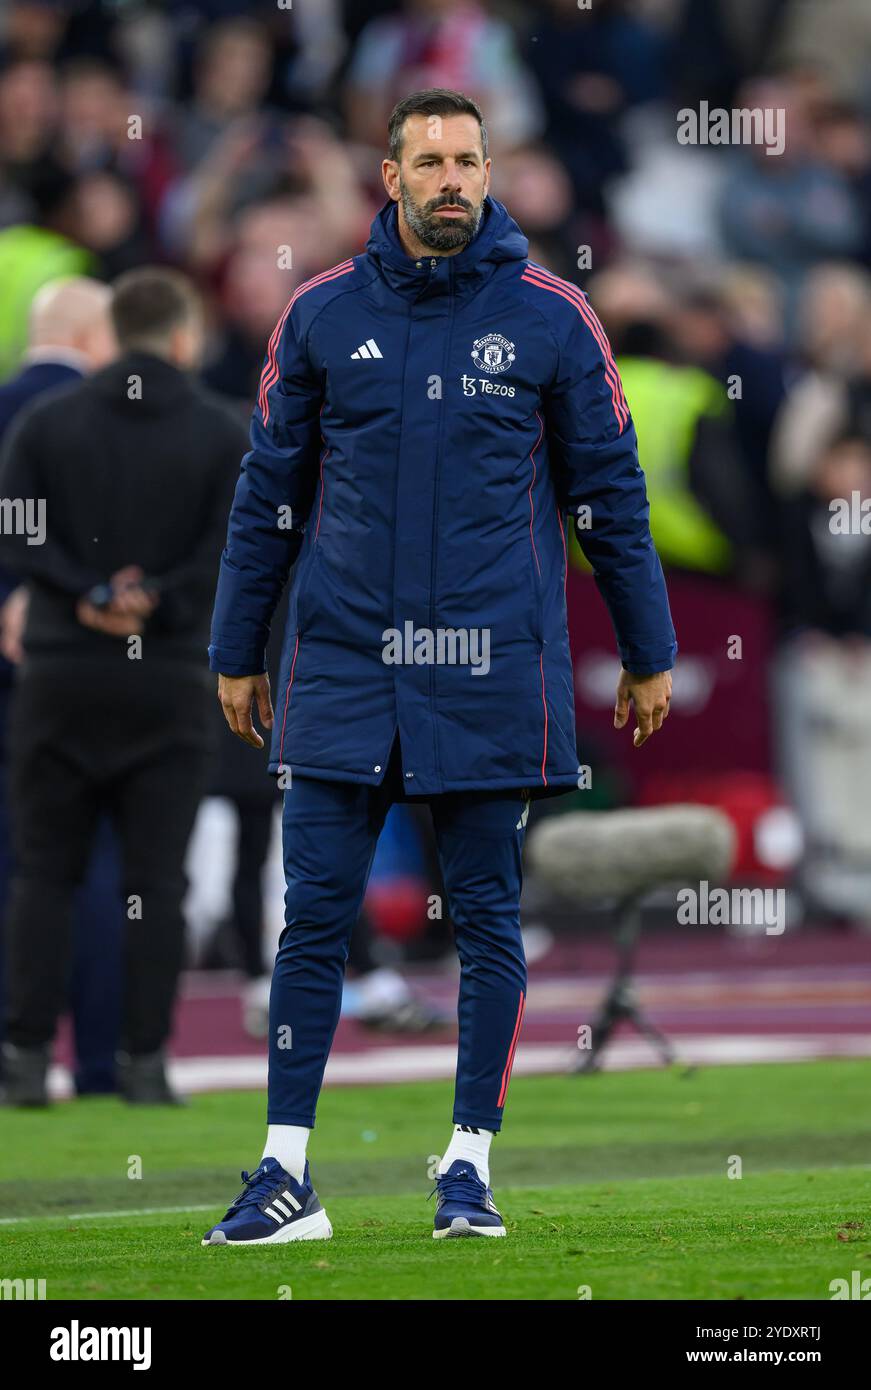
column 435, row 101
column 147, row 304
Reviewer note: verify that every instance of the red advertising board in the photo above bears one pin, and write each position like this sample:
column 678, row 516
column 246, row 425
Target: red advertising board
column 720, row 715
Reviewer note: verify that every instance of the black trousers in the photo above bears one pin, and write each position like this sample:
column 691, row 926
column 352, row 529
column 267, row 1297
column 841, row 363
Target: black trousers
column 88, row 737
column 255, row 833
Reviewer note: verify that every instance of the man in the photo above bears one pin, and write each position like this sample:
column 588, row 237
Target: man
column 428, row 412
column 69, row 335
column 123, row 483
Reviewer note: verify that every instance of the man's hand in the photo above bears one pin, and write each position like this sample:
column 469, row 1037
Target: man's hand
column 104, row 620
column 237, row 694
column 13, row 619
column 650, row 695
column 128, row 596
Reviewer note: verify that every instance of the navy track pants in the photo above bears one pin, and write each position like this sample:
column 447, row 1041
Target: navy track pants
column 330, row 830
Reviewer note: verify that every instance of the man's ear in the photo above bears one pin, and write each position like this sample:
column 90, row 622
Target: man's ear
column 390, row 175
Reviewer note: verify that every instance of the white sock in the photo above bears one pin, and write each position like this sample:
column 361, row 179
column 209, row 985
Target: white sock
column 287, row 1144
column 474, row 1146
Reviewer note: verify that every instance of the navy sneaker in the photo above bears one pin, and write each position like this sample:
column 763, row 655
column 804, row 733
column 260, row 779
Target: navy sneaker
column 464, row 1205
column 272, row 1208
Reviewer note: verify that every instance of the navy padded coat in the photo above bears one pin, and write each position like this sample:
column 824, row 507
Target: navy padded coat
column 423, row 429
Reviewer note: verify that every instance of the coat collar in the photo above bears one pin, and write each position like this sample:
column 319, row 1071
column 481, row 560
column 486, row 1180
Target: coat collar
column 498, row 239
column 163, row 384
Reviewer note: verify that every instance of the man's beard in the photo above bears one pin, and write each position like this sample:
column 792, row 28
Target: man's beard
column 441, row 233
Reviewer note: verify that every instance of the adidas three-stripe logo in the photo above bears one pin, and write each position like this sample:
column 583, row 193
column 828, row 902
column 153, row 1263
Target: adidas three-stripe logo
column 368, row 349
column 277, row 1205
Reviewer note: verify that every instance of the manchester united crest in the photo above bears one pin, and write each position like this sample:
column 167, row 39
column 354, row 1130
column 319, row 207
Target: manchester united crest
column 493, row 353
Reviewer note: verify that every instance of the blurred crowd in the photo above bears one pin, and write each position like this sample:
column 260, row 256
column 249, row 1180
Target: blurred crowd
column 241, row 144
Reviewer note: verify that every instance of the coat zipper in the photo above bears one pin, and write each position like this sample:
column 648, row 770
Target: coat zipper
column 432, row 569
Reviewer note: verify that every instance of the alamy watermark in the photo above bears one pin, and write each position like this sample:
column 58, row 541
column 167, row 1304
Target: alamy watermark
column 850, row 516
column 855, row 1287
column 741, row 125
column 77, row 1343
column 26, row 1289
column 737, row 907
column 441, row 646
column 23, row 516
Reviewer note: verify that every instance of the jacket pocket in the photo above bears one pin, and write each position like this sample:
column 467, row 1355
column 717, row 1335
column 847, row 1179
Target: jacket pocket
column 537, row 600
column 303, row 591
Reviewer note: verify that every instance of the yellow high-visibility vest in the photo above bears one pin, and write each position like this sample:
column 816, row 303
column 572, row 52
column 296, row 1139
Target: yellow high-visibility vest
column 667, row 403
column 29, row 258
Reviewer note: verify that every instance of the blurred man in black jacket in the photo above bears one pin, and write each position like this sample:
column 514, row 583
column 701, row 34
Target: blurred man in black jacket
column 114, row 496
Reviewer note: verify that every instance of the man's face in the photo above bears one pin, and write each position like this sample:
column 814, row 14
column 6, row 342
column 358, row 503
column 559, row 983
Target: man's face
column 441, row 181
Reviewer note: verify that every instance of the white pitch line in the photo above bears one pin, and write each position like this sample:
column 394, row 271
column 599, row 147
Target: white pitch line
column 100, row 1215
column 437, row 1061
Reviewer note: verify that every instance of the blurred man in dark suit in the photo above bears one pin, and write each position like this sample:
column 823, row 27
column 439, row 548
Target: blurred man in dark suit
column 115, row 495
column 70, row 335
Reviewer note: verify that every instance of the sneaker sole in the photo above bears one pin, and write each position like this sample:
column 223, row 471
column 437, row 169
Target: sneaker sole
column 316, row 1227
column 461, row 1226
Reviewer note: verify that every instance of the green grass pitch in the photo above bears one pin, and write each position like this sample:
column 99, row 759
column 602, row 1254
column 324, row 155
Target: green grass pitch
column 616, row 1183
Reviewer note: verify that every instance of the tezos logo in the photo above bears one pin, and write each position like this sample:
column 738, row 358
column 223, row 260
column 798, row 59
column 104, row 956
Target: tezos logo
column 493, row 353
